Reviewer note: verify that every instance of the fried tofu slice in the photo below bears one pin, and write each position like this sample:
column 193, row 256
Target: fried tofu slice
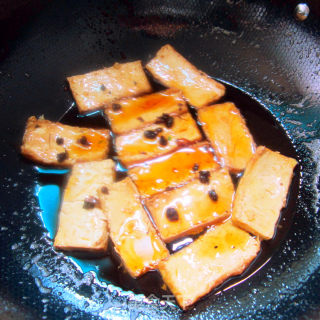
column 134, row 113
column 172, row 170
column 53, row 143
column 262, row 192
column 82, row 224
column 220, row 253
column 188, row 209
column 133, row 235
column 172, row 70
column 95, row 89
column 227, row 131
column 157, row 139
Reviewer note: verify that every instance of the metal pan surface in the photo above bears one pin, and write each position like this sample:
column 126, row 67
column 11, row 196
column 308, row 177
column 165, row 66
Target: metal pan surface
column 270, row 59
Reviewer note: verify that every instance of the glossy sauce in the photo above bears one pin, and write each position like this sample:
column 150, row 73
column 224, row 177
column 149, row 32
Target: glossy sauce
column 133, row 235
column 134, row 113
column 172, row 170
column 193, row 205
column 265, row 130
column 134, row 147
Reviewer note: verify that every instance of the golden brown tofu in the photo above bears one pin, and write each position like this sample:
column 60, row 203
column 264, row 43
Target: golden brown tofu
column 54, row 143
column 172, row 170
column 262, row 192
column 134, row 113
column 174, row 71
column 188, row 209
column 95, row 89
column 157, row 139
column 82, row 223
column 132, row 233
column 227, row 131
column 220, row 253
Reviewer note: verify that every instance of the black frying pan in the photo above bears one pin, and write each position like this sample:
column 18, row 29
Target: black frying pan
column 258, row 47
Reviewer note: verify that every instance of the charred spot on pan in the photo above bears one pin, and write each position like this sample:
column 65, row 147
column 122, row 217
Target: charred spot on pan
column 105, row 190
column 165, row 119
column 103, row 88
column 163, row 141
column 116, row 106
column 84, row 141
column 172, row 214
column 90, row 203
column 213, row 195
column 59, row 141
column 204, row 176
column 195, row 167
column 62, row 156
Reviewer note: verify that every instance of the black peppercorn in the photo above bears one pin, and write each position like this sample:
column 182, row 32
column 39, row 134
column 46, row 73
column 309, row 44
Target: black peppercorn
column 172, row 214
column 204, row 176
column 213, row 195
column 62, row 156
column 84, row 141
column 59, row 141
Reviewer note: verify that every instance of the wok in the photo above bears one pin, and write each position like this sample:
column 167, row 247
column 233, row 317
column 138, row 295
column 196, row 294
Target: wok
column 272, row 62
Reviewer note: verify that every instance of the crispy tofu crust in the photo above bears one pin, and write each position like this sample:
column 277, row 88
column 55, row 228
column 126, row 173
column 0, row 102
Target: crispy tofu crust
column 227, row 131
column 132, row 233
column 262, row 192
column 174, row 71
column 83, row 227
column 95, row 89
column 172, row 170
column 190, row 208
column 53, row 143
column 195, row 270
column 134, row 113
column 135, row 147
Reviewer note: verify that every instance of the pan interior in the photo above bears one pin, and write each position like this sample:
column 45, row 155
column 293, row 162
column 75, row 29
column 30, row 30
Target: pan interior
column 265, row 130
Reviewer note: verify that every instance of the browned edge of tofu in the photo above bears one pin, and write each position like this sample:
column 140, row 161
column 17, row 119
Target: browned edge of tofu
column 54, row 143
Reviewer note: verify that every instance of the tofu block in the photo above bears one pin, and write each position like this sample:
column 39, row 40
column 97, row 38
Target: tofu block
column 157, row 139
column 134, row 113
column 174, row 71
column 220, row 253
column 95, row 89
column 53, row 143
column 262, row 192
column 172, row 170
column 82, row 224
column 227, row 131
column 133, row 235
column 190, row 208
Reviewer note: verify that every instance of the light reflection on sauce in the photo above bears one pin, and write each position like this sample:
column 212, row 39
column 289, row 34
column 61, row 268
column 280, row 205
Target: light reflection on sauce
column 193, row 205
column 134, row 113
column 173, row 169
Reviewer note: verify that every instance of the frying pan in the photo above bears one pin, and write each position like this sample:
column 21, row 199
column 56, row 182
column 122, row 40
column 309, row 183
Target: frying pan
column 258, row 47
